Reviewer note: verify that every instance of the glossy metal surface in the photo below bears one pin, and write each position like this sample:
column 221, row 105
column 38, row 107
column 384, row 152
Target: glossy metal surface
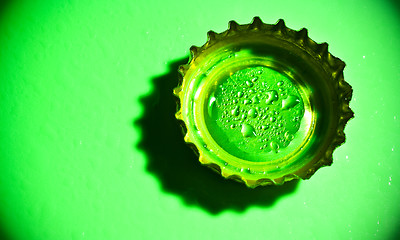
column 264, row 104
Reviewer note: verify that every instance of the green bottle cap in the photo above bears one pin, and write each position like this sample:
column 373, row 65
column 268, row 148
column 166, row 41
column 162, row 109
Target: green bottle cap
column 263, row 104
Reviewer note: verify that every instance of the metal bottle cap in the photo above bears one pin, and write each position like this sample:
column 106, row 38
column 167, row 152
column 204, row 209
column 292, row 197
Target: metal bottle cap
column 263, row 104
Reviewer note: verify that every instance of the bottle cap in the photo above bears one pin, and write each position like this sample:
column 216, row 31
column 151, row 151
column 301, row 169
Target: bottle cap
column 263, row 104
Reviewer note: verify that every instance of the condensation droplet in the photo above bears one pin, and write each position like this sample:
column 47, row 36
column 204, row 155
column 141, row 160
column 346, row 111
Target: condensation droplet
column 289, row 136
column 240, row 94
column 249, row 83
column 252, row 113
column 274, row 146
column 235, row 111
column 272, row 119
column 248, row 130
column 255, row 99
column 265, row 146
column 280, row 83
column 254, row 79
column 271, row 96
column 290, row 102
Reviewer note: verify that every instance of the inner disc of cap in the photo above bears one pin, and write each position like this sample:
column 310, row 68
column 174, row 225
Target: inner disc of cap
column 255, row 114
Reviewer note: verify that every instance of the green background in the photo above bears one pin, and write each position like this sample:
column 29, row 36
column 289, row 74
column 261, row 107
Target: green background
column 89, row 148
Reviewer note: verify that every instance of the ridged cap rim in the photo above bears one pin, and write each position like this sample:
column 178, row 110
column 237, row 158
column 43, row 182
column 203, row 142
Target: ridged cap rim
column 330, row 63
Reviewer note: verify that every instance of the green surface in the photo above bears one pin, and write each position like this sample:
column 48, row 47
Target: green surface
column 89, row 148
column 255, row 111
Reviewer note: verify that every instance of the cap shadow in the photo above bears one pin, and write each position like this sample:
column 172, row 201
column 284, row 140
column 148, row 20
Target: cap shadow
column 176, row 165
column 4, row 233
column 396, row 5
column 4, row 4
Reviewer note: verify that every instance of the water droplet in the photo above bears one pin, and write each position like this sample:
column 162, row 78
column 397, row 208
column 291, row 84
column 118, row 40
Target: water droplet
column 280, row 125
column 259, row 72
column 264, row 127
column 254, row 79
column 252, row 113
column 235, row 111
column 255, row 100
column 240, row 94
column 244, row 116
column 233, row 126
column 271, row 96
column 280, row 83
column 274, row 146
column 249, row 84
column 226, row 164
column 281, row 89
column 248, row 130
column 272, row 119
column 246, row 102
column 289, row 136
column 290, row 102
column 235, row 101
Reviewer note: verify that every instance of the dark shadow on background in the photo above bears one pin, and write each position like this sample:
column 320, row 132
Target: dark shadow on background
column 395, row 4
column 396, row 233
column 4, row 234
column 4, row 4
column 176, row 165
